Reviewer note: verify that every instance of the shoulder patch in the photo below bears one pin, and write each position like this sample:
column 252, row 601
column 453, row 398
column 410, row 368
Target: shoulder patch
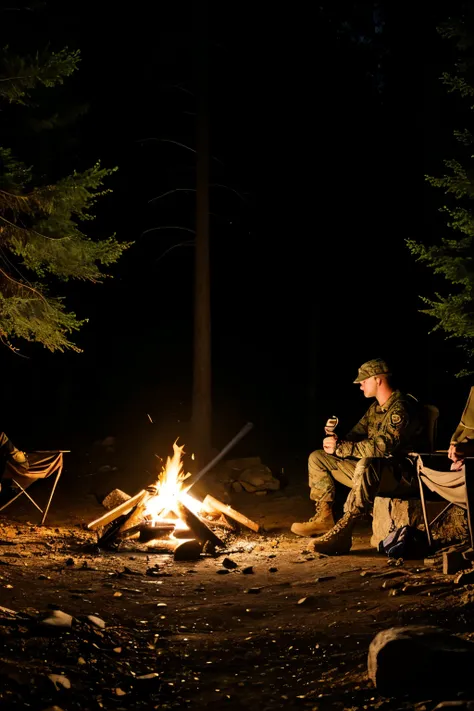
column 395, row 418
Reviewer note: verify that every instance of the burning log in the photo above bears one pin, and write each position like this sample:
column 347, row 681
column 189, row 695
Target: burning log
column 123, row 517
column 136, row 516
column 210, row 504
column 147, row 532
column 202, row 532
column 167, row 497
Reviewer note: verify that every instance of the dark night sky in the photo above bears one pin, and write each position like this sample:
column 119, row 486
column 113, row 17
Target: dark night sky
column 310, row 274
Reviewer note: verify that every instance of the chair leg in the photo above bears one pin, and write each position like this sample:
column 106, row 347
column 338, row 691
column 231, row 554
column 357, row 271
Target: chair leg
column 425, row 514
column 51, row 495
column 22, row 491
column 14, row 498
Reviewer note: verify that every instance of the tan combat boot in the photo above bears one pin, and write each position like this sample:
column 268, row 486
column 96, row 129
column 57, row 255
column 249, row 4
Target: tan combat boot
column 338, row 540
column 323, row 520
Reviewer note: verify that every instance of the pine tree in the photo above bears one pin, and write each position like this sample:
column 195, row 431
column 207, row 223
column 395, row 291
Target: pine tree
column 41, row 239
column 452, row 257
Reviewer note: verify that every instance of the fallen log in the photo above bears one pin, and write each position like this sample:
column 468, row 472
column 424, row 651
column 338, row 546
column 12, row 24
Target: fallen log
column 202, row 532
column 210, row 503
column 119, row 510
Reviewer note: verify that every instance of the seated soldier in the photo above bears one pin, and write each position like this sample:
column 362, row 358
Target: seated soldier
column 462, row 441
column 373, row 450
column 8, row 449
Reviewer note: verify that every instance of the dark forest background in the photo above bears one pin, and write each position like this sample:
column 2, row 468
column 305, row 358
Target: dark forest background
column 323, row 122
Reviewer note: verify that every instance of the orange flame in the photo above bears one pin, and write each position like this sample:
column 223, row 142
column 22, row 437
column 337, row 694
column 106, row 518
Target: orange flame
column 170, row 490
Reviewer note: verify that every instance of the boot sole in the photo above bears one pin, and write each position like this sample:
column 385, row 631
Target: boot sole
column 313, row 534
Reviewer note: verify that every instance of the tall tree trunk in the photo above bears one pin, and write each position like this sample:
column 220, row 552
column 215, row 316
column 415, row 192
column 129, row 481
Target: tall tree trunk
column 202, row 405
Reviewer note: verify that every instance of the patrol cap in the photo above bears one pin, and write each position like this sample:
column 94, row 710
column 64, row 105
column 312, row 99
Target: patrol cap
column 371, row 368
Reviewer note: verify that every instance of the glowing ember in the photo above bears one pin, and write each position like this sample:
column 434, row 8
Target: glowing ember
column 163, row 506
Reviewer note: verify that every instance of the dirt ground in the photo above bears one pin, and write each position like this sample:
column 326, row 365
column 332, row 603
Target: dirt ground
column 292, row 632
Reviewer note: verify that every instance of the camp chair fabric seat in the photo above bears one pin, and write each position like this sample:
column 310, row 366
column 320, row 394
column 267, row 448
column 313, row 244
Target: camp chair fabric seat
column 451, row 486
column 42, row 465
column 456, row 487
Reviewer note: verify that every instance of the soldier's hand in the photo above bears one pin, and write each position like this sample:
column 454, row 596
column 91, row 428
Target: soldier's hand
column 329, row 444
column 455, row 452
column 452, row 451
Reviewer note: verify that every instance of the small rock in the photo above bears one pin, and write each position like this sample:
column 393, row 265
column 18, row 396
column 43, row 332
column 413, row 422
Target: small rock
column 57, row 618
column 237, row 487
column 96, row 621
column 229, row 563
column 60, row 681
column 273, row 570
column 253, row 591
column 189, row 550
column 306, row 601
column 222, row 571
column 248, row 570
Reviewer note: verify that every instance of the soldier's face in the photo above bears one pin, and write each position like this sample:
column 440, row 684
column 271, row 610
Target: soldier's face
column 369, row 387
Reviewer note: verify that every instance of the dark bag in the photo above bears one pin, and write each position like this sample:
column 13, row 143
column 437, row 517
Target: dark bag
column 405, row 542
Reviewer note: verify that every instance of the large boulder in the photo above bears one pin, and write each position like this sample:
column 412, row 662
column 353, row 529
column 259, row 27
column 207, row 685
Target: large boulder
column 390, row 514
column 420, row 658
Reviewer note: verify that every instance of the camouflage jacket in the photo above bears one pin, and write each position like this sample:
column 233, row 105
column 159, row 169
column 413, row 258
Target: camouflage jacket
column 384, row 431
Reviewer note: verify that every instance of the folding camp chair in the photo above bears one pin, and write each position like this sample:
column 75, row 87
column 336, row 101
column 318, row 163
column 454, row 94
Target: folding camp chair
column 456, row 487
column 42, row 465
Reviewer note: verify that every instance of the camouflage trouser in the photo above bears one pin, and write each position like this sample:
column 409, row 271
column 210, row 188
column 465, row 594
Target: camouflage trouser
column 362, row 476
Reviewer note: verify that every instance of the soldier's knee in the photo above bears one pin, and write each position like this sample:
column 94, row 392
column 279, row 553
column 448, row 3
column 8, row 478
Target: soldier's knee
column 315, row 459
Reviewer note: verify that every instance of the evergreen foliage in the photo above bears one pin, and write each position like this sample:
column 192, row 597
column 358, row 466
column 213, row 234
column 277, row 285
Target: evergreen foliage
column 41, row 222
column 452, row 257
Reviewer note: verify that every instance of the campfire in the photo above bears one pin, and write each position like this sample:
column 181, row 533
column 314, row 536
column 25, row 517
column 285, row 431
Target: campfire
column 165, row 515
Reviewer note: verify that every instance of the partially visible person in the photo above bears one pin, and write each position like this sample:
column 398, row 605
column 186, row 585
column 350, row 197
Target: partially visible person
column 375, row 450
column 8, row 450
column 462, row 442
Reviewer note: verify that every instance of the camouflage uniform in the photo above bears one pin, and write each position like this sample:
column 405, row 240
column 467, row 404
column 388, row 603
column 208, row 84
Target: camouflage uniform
column 371, row 453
